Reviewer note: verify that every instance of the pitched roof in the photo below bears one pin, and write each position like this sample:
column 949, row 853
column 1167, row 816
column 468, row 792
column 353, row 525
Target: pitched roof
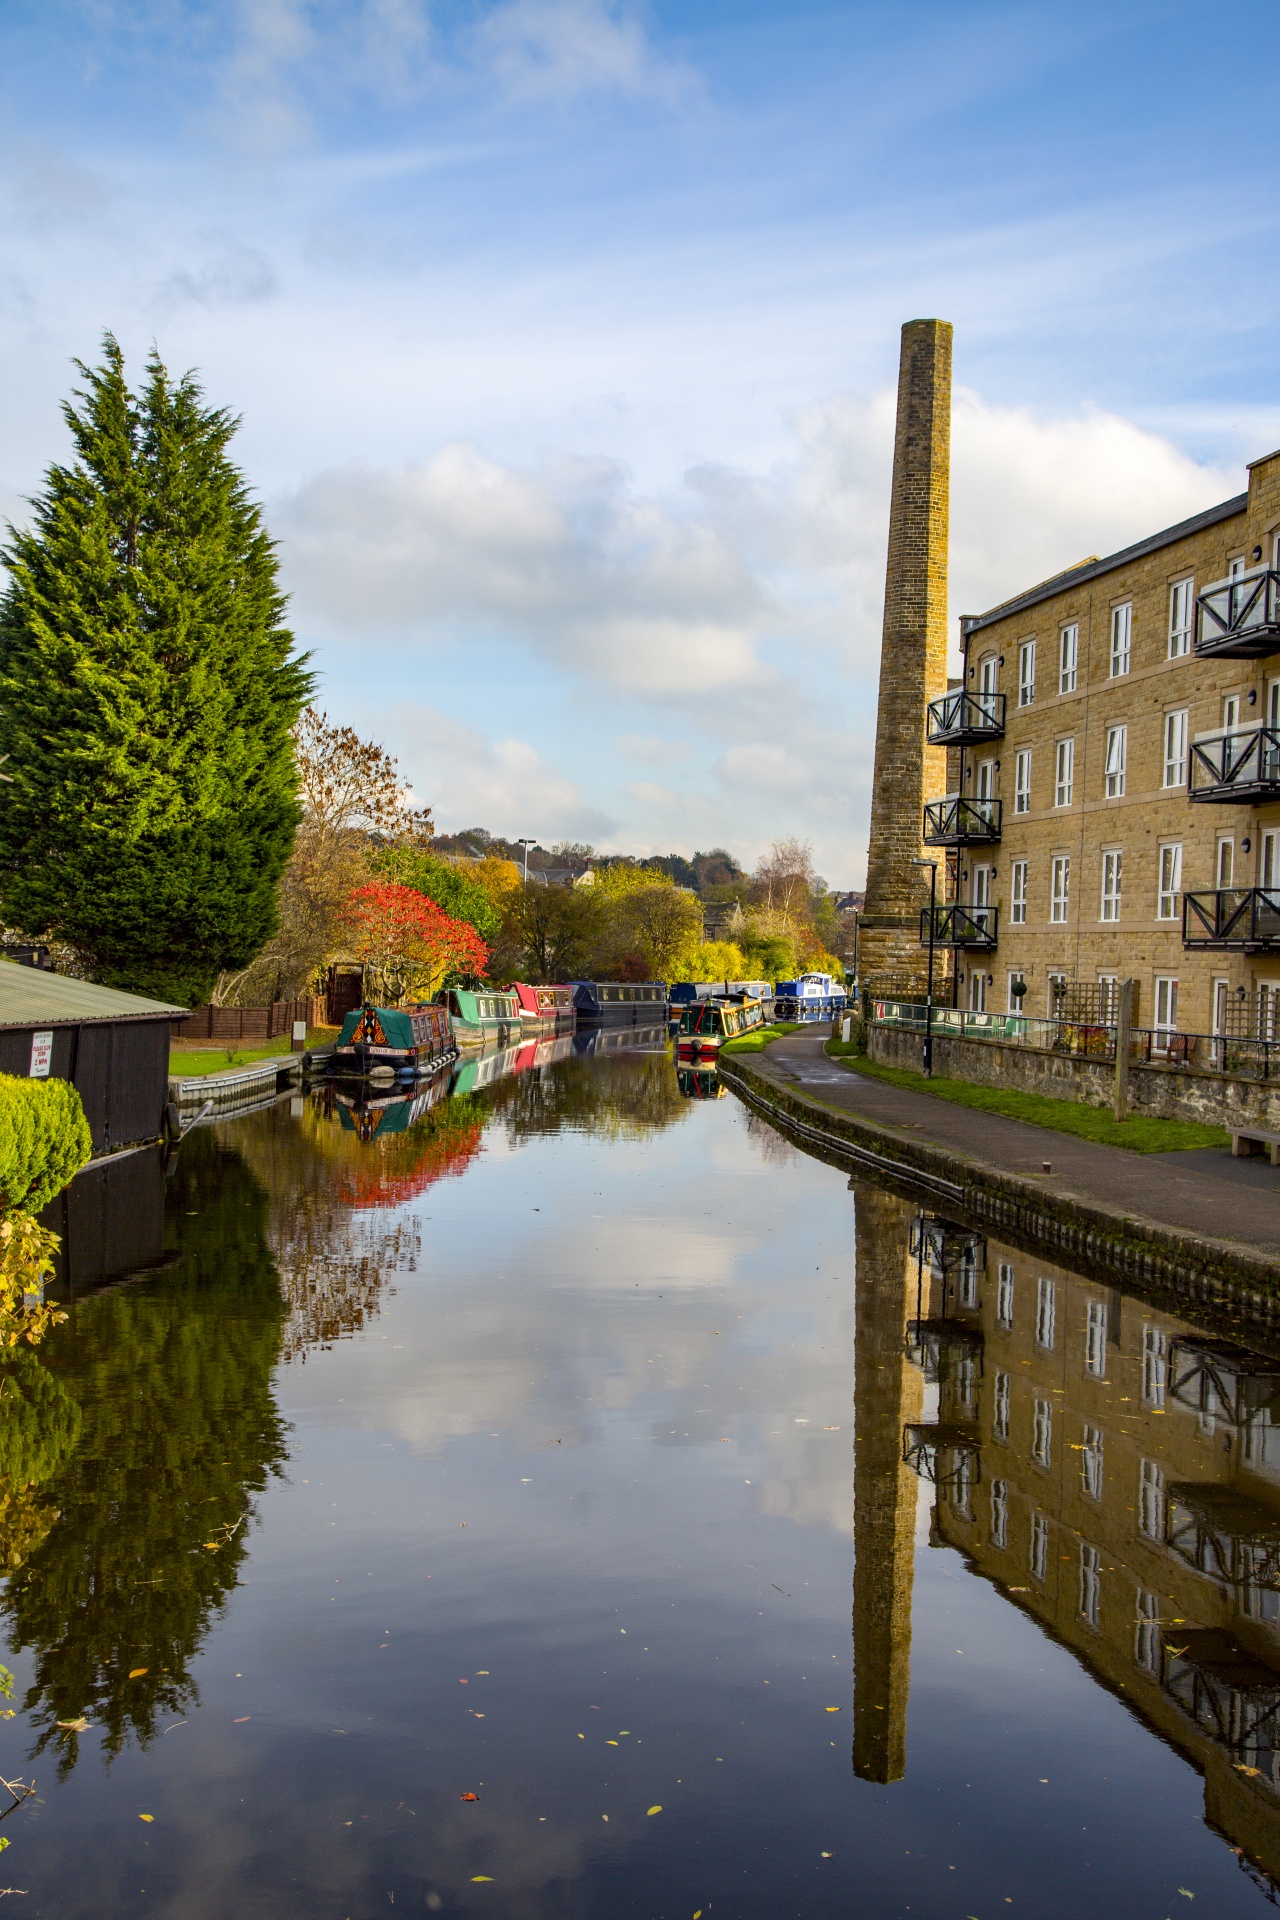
column 31, row 997
column 1090, row 569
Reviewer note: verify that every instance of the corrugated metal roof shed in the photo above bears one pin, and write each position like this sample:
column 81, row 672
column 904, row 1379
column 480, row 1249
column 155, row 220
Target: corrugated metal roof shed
column 31, row 997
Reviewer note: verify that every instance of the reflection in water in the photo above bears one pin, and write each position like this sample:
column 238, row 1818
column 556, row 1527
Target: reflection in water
column 700, row 1083
column 1116, row 1472
column 162, row 1428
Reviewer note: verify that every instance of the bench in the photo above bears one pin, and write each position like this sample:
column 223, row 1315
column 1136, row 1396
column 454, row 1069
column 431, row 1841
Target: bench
column 1245, row 1144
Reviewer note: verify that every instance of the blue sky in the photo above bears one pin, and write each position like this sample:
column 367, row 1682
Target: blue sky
column 565, row 333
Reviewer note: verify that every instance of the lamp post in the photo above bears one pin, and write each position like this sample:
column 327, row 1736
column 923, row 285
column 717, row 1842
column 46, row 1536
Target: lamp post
column 928, row 998
column 526, row 844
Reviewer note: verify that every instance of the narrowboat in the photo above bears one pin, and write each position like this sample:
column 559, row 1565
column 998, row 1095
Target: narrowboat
column 611, row 1003
column 544, row 1009
column 483, row 1069
column 404, row 1041
column 482, row 1015
column 814, row 996
column 706, row 1024
column 685, row 990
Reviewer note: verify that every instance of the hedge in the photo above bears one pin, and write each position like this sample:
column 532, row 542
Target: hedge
column 44, row 1140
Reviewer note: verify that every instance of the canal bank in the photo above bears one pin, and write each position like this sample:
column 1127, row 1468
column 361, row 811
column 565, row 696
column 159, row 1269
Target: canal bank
column 1162, row 1219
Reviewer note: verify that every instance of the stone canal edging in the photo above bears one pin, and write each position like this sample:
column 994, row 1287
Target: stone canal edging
column 1230, row 1277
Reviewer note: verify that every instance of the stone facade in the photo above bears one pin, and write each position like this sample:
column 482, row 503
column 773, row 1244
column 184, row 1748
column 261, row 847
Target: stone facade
column 1106, row 698
column 913, row 660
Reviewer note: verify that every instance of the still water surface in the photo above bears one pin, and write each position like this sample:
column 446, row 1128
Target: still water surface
column 513, row 1456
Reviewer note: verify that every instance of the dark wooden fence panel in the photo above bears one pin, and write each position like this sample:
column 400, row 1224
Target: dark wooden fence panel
column 251, row 1023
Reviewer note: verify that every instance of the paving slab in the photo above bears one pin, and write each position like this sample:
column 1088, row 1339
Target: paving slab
column 1178, row 1191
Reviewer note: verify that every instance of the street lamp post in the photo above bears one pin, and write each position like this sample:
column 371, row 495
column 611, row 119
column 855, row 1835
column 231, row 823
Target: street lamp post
column 928, row 998
column 526, row 844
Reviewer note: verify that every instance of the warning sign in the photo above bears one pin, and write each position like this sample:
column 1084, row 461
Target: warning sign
column 41, row 1055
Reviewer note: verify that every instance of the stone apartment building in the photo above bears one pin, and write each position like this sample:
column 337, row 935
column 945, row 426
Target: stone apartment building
column 1113, row 804
column 1109, row 1467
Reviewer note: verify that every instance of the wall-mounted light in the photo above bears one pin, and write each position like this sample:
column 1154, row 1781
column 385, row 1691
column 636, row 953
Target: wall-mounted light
column 991, row 979
column 1245, row 845
column 1257, row 553
column 997, row 766
column 971, row 673
column 1253, row 696
column 1000, row 661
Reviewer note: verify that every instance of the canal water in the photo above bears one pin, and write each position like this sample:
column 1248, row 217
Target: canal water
column 581, row 1503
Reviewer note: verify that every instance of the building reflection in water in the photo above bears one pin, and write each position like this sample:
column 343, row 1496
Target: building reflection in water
column 1111, row 1468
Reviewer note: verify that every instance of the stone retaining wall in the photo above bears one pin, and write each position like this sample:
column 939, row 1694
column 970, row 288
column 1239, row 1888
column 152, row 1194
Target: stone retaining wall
column 1165, row 1093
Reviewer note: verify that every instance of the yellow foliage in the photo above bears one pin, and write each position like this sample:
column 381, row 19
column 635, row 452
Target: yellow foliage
column 26, row 1261
column 499, row 878
column 713, row 960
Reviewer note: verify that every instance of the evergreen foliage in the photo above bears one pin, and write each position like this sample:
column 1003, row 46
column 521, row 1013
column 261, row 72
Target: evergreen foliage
column 44, row 1140
column 450, row 887
column 147, row 690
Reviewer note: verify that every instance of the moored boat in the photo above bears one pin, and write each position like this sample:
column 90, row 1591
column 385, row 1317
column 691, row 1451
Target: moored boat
column 404, row 1041
column 482, row 1016
column 374, row 1116
column 544, row 1009
column 700, row 1083
column 619, row 1002
column 706, row 1024
column 813, row 996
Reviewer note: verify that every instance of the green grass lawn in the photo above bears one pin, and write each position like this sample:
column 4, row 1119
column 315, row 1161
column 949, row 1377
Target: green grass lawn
column 758, row 1040
column 187, row 1062
column 1140, row 1133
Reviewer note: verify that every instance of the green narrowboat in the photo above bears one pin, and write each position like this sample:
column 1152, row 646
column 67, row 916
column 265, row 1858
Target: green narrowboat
column 404, row 1041
column 705, row 1024
column 482, row 1016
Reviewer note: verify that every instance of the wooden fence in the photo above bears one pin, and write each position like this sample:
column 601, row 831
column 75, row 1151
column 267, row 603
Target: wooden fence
column 251, row 1023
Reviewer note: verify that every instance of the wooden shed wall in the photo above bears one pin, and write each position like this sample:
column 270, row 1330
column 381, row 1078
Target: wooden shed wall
column 110, row 1221
column 120, row 1070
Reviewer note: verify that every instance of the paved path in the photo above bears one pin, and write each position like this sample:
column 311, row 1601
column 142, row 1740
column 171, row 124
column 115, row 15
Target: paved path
column 1178, row 1190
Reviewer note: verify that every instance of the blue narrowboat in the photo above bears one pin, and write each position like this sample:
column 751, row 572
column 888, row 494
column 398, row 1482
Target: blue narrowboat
column 629, row 1003
column 814, row 996
column 405, row 1041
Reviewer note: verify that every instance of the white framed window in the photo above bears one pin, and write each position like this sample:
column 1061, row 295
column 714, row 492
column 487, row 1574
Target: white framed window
column 977, row 992
column 1182, row 610
column 1175, row 748
column 1027, row 673
column 1046, row 1312
column 962, row 1485
column 1273, row 703
column 1151, row 1500
column 987, row 669
column 1231, row 713
column 1017, row 896
column 1042, row 1434
column 1235, row 568
column 1091, row 1463
column 1004, row 1299
column 986, row 780
column 1022, row 780
column 1055, row 982
column 1064, row 772
column 1224, row 865
column 1269, row 1010
column 1166, row 1015
column 1154, row 1363
column 1090, row 1584
column 1121, row 638
column 1039, row 1556
column 1108, row 998
column 1117, row 761
column 1169, row 890
column 1000, row 1419
column 1000, row 1513
column 1068, row 658
column 969, row 1277
column 1095, row 1340
column 1146, row 1638
column 1111, row 863
column 1060, row 888
column 1269, row 860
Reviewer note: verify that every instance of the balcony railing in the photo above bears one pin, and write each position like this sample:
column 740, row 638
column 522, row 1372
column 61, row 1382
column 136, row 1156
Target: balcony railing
column 959, row 822
column 1240, row 618
column 957, row 926
column 1236, row 1058
column 1236, row 768
column 960, row 719
column 1243, row 917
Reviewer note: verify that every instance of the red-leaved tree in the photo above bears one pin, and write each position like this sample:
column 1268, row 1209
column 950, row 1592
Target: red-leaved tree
column 408, row 944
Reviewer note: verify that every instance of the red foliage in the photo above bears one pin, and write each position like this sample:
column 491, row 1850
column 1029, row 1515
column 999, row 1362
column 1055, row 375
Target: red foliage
column 408, row 1167
column 633, row 966
column 390, row 925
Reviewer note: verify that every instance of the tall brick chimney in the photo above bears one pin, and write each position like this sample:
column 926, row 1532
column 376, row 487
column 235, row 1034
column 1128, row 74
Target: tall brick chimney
column 913, row 662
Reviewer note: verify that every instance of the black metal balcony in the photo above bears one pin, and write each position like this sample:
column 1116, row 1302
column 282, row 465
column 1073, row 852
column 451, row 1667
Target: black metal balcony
column 959, row 822
column 1247, row 918
column 1240, row 619
column 1236, row 769
column 960, row 719
column 959, row 926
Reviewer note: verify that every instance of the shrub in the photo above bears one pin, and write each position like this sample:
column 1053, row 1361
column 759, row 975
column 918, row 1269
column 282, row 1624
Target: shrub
column 44, row 1140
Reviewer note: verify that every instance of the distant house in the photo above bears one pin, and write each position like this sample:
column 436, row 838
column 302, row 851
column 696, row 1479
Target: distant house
column 562, row 876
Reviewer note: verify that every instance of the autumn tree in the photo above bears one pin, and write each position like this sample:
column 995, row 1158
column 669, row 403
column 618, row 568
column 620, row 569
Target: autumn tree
column 409, row 946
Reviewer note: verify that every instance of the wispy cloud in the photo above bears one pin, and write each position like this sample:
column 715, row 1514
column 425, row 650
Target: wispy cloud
column 554, row 49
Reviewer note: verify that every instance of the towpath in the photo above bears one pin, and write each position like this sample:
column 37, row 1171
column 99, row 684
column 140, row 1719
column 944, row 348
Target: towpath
column 1197, row 1193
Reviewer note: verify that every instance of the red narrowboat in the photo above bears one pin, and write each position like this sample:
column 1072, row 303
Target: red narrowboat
column 544, row 1009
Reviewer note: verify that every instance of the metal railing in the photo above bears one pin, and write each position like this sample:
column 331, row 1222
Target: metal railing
column 1240, row 1059
column 957, row 821
column 1240, row 617
column 1236, row 767
column 960, row 719
column 959, row 926
column 1245, row 917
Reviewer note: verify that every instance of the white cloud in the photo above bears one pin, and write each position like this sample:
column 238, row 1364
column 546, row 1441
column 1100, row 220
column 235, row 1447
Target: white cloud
column 231, row 274
column 541, row 49
column 503, row 784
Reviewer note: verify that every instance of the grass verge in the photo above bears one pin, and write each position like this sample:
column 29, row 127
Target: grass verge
column 757, row 1041
column 187, row 1062
column 1140, row 1133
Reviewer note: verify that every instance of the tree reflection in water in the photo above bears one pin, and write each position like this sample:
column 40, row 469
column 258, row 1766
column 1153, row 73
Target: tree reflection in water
column 619, row 1097
column 163, row 1428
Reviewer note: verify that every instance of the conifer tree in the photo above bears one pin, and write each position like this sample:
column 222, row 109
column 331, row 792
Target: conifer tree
column 147, row 689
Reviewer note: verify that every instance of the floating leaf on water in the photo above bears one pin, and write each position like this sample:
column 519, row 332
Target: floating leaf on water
column 655, row 1809
column 476, row 1878
column 137, row 1673
column 468, row 1796
column 831, row 1709
column 75, row 1726
column 147, row 1817
column 1253, row 1772
column 243, row 1717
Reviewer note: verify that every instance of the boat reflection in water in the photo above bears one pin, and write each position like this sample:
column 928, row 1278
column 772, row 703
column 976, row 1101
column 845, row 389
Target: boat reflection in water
column 1113, row 1470
column 699, row 1083
column 649, row 1038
